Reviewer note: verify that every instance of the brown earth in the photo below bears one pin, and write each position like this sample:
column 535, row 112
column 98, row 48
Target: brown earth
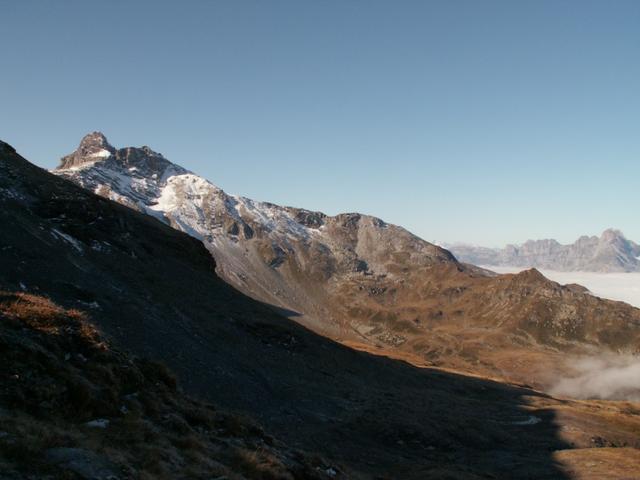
column 520, row 327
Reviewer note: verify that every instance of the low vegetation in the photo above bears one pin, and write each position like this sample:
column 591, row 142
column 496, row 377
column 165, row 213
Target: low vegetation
column 71, row 407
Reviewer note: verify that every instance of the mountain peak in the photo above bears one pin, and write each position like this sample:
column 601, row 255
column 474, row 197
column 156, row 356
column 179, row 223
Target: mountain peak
column 93, row 147
column 6, row 148
column 94, row 139
column 611, row 234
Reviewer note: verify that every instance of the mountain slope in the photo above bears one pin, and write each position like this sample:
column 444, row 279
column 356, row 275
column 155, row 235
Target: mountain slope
column 76, row 407
column 611, row 252
column 151, row 289
column 276, row 254
column 360, row 280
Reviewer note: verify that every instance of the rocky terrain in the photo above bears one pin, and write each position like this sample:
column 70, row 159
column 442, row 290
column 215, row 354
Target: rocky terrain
column 74, row 406
column 111, row 280
column 289, row 257
column 364, row 282
column 611, row 252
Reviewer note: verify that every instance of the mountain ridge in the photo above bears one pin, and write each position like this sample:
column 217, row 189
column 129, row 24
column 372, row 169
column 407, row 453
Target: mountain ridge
column 361, row 281
column 252, row 241
column 610, row 252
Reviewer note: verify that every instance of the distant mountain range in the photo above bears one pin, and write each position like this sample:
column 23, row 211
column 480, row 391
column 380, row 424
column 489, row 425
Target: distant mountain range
column 611, row 252
column 306, row 262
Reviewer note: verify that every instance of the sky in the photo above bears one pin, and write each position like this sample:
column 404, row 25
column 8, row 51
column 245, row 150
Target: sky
column 484, row 122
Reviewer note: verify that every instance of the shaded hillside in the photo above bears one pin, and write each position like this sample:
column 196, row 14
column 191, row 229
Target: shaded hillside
column 72, row 406
column 362, row 281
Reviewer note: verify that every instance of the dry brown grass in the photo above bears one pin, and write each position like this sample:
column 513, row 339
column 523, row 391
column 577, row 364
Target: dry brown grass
column 41, row 314
column 600, row 463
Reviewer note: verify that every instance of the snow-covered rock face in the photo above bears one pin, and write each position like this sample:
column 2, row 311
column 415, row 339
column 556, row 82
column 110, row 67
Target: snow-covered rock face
column 286, row 256
column 133, row 176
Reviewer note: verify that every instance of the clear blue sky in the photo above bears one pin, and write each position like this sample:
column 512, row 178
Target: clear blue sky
column 480, row 121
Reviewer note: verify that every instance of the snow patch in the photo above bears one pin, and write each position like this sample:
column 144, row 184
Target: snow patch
column 98, row 423
column 77, row 168
column 93, row 305
column 100, row 246
column 531, row 420
column 167, row 201
column 68, row 238
column 101, row 154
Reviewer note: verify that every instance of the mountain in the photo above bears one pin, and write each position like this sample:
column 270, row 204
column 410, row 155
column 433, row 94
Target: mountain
column 97, row 292
column 290, row 257
column 611, row 252
column 359, row 280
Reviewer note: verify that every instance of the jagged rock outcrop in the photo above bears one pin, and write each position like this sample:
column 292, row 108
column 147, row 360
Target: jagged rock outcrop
column 93, row 147
column 611, row 252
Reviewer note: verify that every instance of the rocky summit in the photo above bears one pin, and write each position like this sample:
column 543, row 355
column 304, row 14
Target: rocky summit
column 94, row 147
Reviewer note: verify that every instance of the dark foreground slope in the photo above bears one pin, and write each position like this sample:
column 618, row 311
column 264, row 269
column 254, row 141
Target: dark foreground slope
column 72, row 406
column 151, row 290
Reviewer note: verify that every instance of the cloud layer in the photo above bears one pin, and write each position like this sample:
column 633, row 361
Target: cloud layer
column 607, row 377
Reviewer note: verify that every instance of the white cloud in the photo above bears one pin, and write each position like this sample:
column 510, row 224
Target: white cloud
column 606, row 377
